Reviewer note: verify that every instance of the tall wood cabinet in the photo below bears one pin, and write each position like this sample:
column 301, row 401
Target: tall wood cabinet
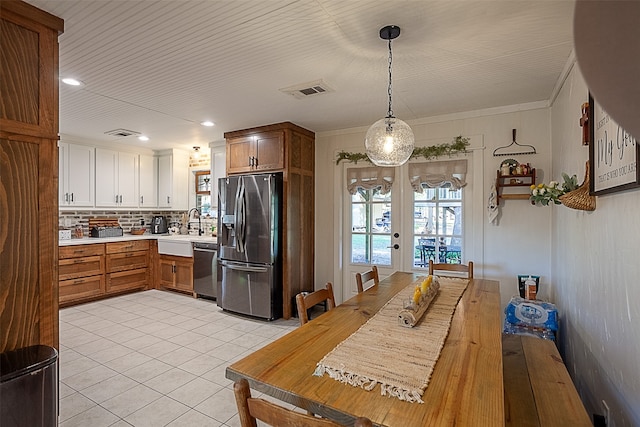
column 290, row 149
column 28, row 176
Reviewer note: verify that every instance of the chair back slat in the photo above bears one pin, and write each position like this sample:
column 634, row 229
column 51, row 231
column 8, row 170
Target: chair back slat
column 304, row 302
column 452, row 267
column 363, row 278
column 251, row 409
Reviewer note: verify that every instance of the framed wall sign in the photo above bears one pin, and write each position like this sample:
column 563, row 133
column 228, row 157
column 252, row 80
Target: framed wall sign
column 613, row 154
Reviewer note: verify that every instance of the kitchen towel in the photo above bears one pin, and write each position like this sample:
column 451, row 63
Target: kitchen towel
column 492, row 204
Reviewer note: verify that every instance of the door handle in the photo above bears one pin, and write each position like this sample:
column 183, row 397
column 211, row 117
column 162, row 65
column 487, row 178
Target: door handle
column 242, row 267
column 396, row 246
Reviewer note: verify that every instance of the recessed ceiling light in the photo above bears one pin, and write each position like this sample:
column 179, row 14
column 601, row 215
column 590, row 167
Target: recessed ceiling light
column 208, row 123
column 72, row 82
column 143, row 138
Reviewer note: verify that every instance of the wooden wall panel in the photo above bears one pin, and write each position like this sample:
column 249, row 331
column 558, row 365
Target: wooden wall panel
column 19, row 83
column 19, row 282
column 28, row 176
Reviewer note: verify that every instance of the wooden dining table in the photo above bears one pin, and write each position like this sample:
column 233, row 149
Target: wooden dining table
column 465, row 389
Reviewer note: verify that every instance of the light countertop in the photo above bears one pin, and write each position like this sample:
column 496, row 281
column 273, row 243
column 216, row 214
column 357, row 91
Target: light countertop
column 126, row 237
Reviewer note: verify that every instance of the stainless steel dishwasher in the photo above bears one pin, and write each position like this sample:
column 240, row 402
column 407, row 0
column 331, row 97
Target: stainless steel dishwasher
column 205, row 269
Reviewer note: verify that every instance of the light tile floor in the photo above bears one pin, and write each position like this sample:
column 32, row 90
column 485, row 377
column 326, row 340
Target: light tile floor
column 154, row 358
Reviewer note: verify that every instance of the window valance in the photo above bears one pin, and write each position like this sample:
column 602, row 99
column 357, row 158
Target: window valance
column 370, row 178
column 451, row 173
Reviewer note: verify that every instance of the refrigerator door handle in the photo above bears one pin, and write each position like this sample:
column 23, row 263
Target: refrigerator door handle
column 242, row 244
column 238, row 212
column 243, row 267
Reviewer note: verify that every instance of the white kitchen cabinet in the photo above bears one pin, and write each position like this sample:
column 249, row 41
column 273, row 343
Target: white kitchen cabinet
column 148, row 181
column 76, row 175
column 116, row 178
column 173, row 179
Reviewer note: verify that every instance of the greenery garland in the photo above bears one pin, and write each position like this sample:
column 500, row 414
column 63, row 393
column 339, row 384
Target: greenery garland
column 459, row 145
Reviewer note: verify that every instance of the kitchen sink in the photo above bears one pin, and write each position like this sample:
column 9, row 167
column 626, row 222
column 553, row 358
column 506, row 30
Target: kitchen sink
column 180, row 245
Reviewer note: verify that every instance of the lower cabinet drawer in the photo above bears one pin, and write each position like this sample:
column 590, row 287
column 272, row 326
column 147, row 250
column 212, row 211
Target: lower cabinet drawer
column 127, row 261
column 72, row 268
column 74, row 289
column 125, row 280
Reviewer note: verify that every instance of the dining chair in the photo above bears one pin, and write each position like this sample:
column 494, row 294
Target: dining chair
column 305, row 302
column 452, row 267
column 362, row 278
column 251, row 409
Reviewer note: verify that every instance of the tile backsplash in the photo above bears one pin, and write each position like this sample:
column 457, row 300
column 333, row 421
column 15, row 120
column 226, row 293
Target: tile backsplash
column 127, row 219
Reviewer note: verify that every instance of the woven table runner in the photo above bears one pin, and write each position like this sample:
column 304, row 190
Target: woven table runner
column 400, row 359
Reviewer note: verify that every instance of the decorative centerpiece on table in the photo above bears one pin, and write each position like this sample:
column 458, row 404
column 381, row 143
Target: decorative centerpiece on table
column 416, row 307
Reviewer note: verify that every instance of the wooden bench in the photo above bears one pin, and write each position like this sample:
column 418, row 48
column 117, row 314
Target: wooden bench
column 538, row 390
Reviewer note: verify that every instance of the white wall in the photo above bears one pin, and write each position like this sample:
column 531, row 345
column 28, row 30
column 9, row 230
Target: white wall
column 588, row 261
column 519, row 244
column 595, row 270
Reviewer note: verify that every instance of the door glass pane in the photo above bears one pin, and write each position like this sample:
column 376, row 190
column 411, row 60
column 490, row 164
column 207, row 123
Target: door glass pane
column 437, row 227
column 381, row 254
column 371, row 227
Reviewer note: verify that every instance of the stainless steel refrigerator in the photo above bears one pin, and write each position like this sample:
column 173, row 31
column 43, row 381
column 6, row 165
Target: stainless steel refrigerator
column 250, row 245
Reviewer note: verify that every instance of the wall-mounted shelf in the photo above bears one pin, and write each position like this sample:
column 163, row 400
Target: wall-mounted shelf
column 520, row 180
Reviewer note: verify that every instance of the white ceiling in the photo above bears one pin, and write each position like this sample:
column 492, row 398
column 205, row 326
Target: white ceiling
column 162, row 67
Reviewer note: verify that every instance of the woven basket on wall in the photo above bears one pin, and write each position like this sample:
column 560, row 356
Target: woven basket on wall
column 580, row 198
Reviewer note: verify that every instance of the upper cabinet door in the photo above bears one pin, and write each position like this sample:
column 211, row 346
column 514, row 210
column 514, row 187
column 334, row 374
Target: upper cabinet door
column 269, row 149
column 259, row 152
column 148, row 197
column 128, row 171
column 239, row 154
column 106, row 178
column 116, row 178
column 165, row 180
column 76, row 175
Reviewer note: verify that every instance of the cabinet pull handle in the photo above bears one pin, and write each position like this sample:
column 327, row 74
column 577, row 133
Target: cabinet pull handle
column 78, row 251
column 168, row 200
column 121, row 199
column 78, row 260
column 78, row 281
column 71, row 197
column 116, row 198
column 141, row 200
column 66, row 197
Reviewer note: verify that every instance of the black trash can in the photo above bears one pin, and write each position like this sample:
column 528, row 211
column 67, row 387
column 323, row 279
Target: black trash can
column 29, row 387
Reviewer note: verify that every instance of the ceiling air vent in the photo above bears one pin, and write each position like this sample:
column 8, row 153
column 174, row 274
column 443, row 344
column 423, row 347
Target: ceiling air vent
column 305, row 90
column 121, row 133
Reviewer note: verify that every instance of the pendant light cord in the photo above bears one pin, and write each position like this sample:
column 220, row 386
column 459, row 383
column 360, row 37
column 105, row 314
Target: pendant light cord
column 390, row 112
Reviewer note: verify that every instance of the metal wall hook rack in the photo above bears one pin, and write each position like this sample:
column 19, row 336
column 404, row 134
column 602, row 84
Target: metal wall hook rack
column 523, row 147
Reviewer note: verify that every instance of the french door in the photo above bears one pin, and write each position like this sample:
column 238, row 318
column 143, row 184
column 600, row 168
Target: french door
column 402, row 229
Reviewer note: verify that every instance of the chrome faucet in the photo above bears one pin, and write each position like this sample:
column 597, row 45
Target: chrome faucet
column 197, row 215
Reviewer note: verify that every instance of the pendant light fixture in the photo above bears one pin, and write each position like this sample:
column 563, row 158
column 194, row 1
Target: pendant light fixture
column 389, row 141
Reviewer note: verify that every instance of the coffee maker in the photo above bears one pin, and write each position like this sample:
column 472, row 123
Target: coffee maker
column 159, row 225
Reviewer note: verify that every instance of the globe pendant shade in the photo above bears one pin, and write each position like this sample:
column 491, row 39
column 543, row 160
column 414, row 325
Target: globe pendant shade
column 389, row 142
